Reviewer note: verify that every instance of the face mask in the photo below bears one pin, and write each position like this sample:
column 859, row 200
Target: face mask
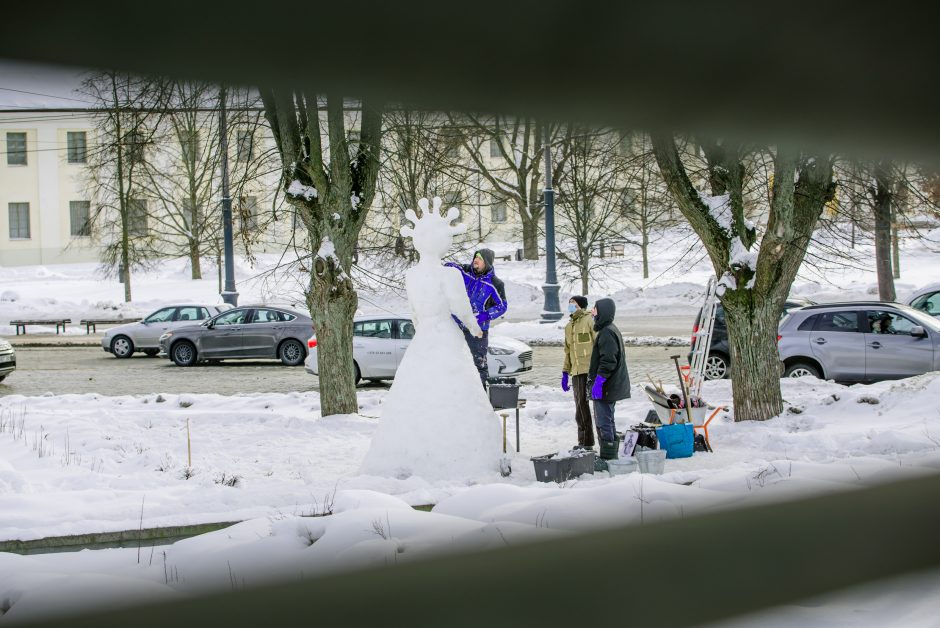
column 572, row 308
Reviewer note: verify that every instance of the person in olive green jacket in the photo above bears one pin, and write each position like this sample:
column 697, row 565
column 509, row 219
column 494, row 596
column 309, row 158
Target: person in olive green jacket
column 579, row 342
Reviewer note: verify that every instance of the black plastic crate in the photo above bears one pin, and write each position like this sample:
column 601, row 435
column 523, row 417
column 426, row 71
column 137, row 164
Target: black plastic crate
column 504, row 396
column 550, row 468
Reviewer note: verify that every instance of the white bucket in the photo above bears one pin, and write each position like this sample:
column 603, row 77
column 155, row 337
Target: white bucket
column 622, row 466
column 651, row 460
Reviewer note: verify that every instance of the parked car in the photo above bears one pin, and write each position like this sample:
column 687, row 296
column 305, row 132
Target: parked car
column 718, row 365
column 864, row 341
column 379, row 344
column 253, row 331
column 7, row 359
column 927, row 300
column 144, row 335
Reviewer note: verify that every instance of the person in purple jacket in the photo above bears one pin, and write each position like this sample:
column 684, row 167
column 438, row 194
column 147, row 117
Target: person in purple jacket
column 487, row 299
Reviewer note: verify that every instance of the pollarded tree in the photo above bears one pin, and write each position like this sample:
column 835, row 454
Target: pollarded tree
column 755, row 272
column 332, row 188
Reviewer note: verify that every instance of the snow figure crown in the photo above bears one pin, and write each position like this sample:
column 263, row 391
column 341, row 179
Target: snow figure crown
column 432, row 234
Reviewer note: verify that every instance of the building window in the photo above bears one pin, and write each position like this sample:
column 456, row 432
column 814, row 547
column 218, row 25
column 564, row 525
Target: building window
column 498, row 212
column 16, row 149
column 137, row 217
column 77, row 147
column 245, row 147
column 189, row 142
column 495, row 148
column 193, row 215
column 80, row 216
column 451, row 140
column 19, row 221
column 249, row 212
column 134, row 147
column 452, row 199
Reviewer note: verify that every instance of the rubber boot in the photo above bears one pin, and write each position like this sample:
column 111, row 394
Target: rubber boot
column 609, row 450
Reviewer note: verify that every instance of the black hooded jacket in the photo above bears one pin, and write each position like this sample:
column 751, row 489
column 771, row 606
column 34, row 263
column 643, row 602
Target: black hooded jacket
column 608, row 358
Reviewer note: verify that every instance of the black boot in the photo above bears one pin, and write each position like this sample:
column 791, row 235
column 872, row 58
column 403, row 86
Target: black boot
column 609, row 450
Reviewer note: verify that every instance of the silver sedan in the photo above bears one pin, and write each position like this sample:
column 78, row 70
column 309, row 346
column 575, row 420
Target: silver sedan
column 122, row 341
column 246, row 332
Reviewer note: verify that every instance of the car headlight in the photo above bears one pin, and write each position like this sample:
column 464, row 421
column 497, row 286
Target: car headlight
column 500, row 351
column 4, row 345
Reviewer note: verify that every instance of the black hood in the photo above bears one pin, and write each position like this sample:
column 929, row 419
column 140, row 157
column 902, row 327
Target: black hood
column 488, row 256
column 605, row 313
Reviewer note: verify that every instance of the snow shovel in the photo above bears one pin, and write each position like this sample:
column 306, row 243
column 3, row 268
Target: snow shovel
column 685, row 393
column 505, row 463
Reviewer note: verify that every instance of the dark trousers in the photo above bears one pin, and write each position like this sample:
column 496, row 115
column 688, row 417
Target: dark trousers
column 582, row 410
column 478, row 349
column 604, row 417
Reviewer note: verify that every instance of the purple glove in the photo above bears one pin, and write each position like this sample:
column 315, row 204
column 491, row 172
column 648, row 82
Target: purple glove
column 564, row 381
column 597, row 389
column 482, row 317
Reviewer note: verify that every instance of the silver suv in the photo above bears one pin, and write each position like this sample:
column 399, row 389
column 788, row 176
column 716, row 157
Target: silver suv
column 864, row 341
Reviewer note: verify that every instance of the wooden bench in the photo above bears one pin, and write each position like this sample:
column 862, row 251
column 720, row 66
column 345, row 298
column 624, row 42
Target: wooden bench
column 58, row 322
column 91, row 323
column 505, row 258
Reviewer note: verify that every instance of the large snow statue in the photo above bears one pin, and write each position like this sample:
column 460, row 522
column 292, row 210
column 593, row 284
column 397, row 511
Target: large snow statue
column 437, row 422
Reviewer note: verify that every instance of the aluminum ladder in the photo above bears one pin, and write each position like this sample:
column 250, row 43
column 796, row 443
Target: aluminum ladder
column 702, row 340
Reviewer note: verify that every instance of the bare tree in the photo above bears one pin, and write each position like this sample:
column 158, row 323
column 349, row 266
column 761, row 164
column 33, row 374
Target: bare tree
column 131, row 110
column 755, row 273
column 507, row 152
column 590, row 197
column 332, row 187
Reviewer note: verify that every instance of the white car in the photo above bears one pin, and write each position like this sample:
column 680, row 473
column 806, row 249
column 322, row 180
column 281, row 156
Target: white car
column 927, row 300
column 379, row 343
column 7, row 359
column 124, row 340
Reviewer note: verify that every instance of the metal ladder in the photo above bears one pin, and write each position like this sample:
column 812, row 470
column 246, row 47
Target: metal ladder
column 702, row 340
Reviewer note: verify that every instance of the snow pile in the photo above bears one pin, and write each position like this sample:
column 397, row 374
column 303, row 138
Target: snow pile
column 437, row 421
column 296, row 188
column 720, row 209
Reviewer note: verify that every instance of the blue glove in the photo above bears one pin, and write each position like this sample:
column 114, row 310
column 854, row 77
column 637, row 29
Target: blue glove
column 597, row 389
column 564, row 381
column 482, row 317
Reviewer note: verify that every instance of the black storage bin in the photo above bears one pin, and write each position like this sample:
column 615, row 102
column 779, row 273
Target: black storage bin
column 549, row 468
column 504, row 396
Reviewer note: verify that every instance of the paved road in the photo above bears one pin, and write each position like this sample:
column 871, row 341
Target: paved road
column 68, row 369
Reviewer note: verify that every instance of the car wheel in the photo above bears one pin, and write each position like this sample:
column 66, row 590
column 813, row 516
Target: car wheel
column 716, row 367
column 802, row 369
column 151, row 353
column 122, row 347
column 291, row 353
column 358, row 374
column 183, row 353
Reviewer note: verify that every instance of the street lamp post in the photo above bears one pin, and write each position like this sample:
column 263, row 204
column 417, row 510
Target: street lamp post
column 228, row 294
column 551, row 311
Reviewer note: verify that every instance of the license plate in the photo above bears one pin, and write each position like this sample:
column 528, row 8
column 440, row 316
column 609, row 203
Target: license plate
column 526, row 365
column 6, row 358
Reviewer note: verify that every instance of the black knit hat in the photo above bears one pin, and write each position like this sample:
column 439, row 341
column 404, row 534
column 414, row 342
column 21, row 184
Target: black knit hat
column 581, row 301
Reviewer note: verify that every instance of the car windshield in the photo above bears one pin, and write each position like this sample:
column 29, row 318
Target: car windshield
column 923, row 319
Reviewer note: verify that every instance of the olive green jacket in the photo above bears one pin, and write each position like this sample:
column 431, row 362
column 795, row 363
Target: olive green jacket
column 579, row 341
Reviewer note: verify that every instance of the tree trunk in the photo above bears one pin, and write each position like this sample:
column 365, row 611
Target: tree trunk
column 882, row 210
column 585, row 275
column 195, row 260
column 895, row 247
column 752, row 331
column 530, row 236
column 332, row 303
column 644, row 245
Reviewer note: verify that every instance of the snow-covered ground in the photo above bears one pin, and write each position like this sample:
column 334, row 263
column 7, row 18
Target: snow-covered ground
column 80, row 463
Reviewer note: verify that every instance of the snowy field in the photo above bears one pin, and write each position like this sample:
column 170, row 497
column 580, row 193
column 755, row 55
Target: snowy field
column 73, row 464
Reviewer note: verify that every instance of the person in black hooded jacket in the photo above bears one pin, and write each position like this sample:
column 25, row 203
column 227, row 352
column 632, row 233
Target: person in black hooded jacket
column 608, row 376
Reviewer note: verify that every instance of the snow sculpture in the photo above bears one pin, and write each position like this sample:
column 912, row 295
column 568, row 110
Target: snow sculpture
column 437, row 422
